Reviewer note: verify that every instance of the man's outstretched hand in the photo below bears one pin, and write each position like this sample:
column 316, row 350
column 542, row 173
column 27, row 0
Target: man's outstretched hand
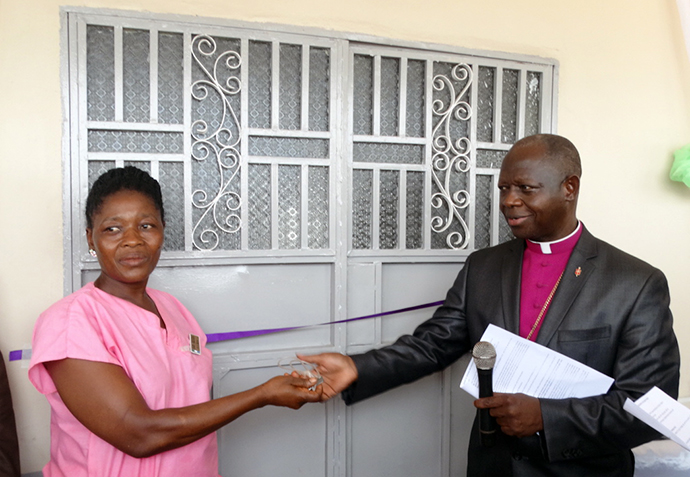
column 338, row 372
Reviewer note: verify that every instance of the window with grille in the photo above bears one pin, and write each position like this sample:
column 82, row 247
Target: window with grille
column 270, row 143
column 238, row 130
column 428, row 135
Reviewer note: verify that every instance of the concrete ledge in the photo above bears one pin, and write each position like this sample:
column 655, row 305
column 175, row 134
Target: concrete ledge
column 662, row 458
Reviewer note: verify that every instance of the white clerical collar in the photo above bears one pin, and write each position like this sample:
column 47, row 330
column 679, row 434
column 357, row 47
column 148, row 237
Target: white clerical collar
column 546, row 246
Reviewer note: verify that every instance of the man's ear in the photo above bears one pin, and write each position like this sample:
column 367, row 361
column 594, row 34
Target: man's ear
column 571, row 185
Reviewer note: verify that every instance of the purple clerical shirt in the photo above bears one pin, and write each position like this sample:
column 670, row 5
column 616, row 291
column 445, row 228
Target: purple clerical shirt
column 542, row 264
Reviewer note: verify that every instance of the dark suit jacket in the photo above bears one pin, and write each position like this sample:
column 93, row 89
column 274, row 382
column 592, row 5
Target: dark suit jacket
column 613, row 317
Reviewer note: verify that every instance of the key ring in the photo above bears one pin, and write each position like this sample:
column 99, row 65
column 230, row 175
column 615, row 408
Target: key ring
column 304, row 369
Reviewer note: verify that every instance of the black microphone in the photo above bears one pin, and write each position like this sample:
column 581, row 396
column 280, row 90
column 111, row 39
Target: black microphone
column 484, row 356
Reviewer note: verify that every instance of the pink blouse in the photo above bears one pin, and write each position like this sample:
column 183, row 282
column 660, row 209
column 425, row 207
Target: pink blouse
column 93, row 325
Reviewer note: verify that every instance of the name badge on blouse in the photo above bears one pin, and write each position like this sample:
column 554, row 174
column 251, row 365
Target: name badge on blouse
column 194, row 344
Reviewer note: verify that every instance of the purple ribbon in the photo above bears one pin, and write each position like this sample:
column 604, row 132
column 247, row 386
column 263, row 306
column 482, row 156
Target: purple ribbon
column 16, row 355
column 235, row 335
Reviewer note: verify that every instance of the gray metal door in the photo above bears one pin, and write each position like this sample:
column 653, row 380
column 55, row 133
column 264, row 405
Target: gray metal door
column 308, row 177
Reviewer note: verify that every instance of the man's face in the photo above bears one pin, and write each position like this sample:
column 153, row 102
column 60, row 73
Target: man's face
column 537, row 199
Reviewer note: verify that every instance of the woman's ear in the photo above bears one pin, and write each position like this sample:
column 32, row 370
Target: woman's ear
column 89, row 238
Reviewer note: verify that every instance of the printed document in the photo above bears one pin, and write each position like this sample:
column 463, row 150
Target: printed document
column 523, row 366
column 660, row 411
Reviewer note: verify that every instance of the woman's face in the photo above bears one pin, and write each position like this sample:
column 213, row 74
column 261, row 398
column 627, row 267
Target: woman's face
column 127, row 236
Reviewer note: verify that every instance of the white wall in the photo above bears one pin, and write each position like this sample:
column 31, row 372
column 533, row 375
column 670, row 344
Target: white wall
column 624, row 100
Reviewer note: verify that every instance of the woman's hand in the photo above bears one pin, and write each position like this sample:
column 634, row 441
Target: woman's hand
column 291, row 391
column 103, row 398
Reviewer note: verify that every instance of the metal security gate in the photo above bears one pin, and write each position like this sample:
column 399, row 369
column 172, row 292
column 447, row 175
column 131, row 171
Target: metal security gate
column 308, row 177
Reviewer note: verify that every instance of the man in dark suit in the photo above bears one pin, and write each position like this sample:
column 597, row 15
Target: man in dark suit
column 557, row 285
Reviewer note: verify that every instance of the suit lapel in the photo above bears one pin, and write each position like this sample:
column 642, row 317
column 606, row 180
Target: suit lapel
column 510, row 286
column 578, row 270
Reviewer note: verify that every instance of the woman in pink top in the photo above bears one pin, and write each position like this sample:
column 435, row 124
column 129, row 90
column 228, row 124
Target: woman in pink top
column 124, row 367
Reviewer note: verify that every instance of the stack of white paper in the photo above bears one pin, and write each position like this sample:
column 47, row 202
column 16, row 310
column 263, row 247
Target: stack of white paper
column 660, row 411
column 523, row 366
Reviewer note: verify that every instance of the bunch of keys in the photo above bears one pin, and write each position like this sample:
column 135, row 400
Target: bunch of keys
column 304, row 369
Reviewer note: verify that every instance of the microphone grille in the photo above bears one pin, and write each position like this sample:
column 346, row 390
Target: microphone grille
column 484, row 355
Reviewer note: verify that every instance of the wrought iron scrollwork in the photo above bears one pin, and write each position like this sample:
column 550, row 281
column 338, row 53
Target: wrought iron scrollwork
column 451, row 155
column 217, row 141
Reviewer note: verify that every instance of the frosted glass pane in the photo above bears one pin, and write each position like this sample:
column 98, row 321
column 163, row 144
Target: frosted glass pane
column 363, row 94
column 416, row 86
column 135, row 142
column 289, row 206
column 100, row 73
column 290, row 86
column 171, row 178
column 482, row 219
column 135, row 74
column 288, row 147
column 259, row 204
column 259, row 84
column 390, row 96
column 318, row 207
column 319, row 88
column 388, row 153
column 490, row 159
column 389, row 193
column 533, row 103
column 510, row 106
column 414, row 237
column 485, row 103
column 170, row 76
column 362, row 187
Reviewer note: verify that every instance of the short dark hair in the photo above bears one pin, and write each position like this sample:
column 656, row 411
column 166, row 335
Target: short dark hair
column 558, row 148
column 118, row 179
